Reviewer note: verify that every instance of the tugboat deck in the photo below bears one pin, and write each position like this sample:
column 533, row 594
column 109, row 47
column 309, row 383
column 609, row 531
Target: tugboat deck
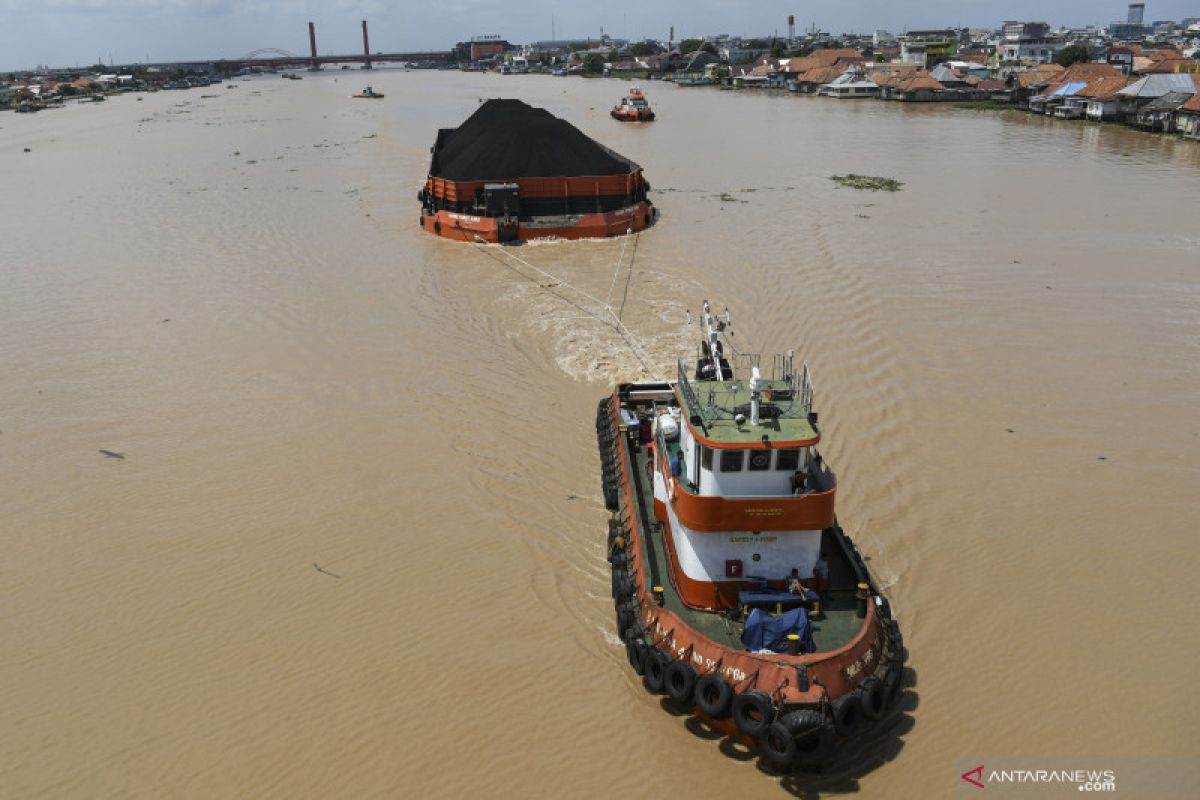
column 718, row 402
column 838, row 625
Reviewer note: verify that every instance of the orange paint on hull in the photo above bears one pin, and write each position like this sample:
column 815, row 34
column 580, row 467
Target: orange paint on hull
column 470, row 228
column 831, row 674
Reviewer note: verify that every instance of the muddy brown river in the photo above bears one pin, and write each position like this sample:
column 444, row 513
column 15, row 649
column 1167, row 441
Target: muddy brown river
column 355, row 545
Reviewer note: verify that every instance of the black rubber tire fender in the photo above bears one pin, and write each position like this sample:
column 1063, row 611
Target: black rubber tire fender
column 633, row 650
column 610, row 498
column 847, row 712
column 655, row 663
column 807, row 727
column 680, row 682
column 752, row 711
column 713, row 696
column 437, row 226
column 874, row 699
column 778, row 747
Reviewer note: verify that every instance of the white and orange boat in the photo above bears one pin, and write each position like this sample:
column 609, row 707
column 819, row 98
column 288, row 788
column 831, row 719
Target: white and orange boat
column 633, row 107
column 512, row 172
column 738, row 595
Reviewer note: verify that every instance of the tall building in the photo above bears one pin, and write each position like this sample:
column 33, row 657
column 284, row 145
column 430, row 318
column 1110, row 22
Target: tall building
column 1136, row 11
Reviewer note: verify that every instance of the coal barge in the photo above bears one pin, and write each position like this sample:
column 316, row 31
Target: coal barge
column 512, row 172
column 737, row 593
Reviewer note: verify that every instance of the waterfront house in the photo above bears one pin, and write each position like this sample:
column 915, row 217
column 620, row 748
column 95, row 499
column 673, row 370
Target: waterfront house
column 1055, row 96
column 1159, row 115
column 811, row 80
column 919, row 88
column 853, row 83
column 1187, row 119
column 1153, row 86
column 828, row 57
column 1101, row 97
column 1026, row 83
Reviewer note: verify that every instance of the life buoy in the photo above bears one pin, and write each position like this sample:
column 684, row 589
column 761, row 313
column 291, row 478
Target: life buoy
column 680, row 681
column 713, row 696
column 752, row 711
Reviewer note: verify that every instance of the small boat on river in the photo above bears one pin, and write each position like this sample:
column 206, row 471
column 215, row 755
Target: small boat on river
column 738, row 595
column 633, row 107
column 368, row 93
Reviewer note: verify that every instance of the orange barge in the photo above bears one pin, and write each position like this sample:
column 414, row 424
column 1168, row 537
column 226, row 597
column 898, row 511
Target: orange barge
column 512, row 172
column 737, row 593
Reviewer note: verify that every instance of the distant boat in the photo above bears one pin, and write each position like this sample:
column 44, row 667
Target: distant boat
column 633, row 107
column 368, row 93
column 694, row 80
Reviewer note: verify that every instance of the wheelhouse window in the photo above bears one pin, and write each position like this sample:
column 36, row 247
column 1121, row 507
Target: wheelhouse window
column 760, row 459
column 731, row 460
column 788, row 460
column 706, row 458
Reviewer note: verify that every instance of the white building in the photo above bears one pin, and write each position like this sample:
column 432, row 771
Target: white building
column 1041, row 51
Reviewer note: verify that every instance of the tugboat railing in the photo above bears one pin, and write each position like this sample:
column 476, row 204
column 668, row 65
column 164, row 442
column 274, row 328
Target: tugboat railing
column 711, row 410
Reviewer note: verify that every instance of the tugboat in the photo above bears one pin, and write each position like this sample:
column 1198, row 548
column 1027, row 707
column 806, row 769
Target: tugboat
column 369, row 93
column 738, row 595
column 633, row 107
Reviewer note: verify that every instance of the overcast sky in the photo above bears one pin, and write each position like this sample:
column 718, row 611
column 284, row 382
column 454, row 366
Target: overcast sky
column 69, row 32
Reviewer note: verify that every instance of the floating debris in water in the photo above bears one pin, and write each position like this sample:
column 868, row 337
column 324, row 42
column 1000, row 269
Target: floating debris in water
column 324, row 571
column 111, row 454
column 867, row 182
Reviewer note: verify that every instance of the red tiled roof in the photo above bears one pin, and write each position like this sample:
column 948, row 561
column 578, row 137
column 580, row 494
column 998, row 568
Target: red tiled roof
column 1086, row 73
column 824, row 58
column 1173, row 65
column 922, row 81
column 1193, row 104
column 1104, row 87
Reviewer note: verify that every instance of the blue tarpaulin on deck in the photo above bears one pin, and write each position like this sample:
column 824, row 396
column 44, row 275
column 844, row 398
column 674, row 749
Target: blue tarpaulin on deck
column 764, row 632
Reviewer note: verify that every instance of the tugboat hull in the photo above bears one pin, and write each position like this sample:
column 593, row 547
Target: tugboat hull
column 793, row 708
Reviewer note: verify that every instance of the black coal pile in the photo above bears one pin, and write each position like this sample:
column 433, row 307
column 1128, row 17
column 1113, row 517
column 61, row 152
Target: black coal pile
column 508, row 139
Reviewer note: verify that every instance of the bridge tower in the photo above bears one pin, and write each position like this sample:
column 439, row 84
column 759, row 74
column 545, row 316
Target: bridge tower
column 312, row 43
column 366, row 47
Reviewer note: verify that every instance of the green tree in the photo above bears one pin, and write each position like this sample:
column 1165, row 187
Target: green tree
column 593, row 64
column 690, row 45
column 642, row 49
column 709, row 47
column 777, row 48
column 1075, row 54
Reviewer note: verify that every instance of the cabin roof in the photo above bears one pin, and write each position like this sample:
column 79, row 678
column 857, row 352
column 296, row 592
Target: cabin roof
column 792, row 426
